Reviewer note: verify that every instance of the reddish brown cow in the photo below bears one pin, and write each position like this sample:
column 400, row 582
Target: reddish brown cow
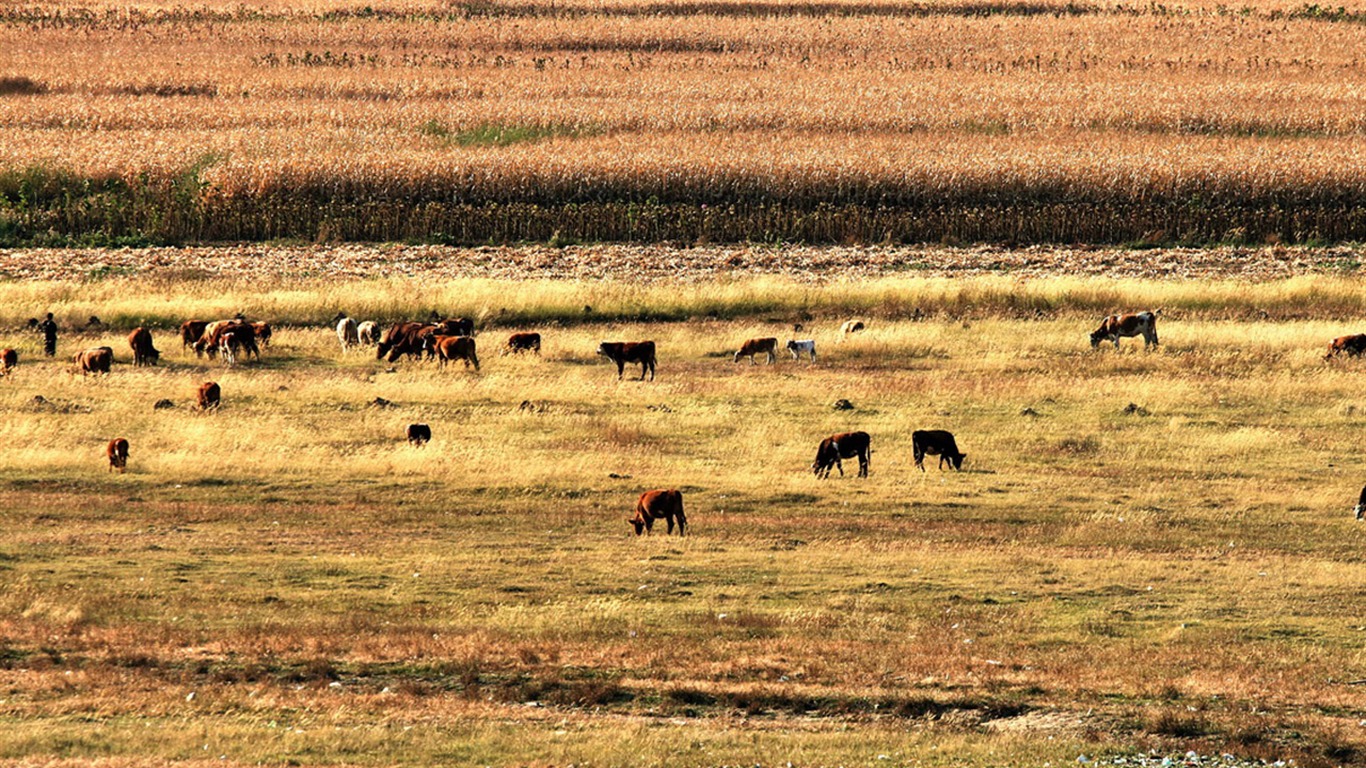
column 448, row 348
column 1353, row 345
column 8, row 360
column 523, row 342
column 94, row 360
column 191, row 331
column 1115, row 326
column 118, row 455
column 401, row 339
column 758, row 347
column 143, row 352
column 845, row 445
column 623, row 352
column 460, row 326
column 210, row 395
column 654, row 505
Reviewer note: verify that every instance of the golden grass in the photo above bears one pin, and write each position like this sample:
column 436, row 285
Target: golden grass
column 1182, row 576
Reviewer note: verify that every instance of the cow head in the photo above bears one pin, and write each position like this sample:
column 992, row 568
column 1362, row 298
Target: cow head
column 1360, row 511
column 638, row 523
column 607, row 349
column 1097, row 337
column 154, row 355
column 382, row 350
column 738, row 354
column 957, row 460
column 825, row 456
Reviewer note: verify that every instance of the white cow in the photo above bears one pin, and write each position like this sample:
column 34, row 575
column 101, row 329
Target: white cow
column 798, row 348
column 346, row 333
column 368, row 332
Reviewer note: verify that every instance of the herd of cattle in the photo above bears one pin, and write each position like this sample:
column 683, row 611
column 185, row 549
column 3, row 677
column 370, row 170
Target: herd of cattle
column 447, row 340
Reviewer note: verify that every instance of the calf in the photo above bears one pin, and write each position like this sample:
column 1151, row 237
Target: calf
column 449, row 348
column 368, row 332
column 419, row 434
column 143, row 352
column 235, row 339
column 1115, row 326
column 523, row 342
column 845, row 445
column 1353, row 345
column 936, row 441
column 756, row 347
column 118, row 455
column 94, row 360
column 210, row 395
column 623, row 352
column 347, row 333
column 8, row 360
column 654, row 505
column 799, row 348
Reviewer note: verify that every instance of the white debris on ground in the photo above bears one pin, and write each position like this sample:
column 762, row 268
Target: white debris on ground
column 1188, row 760
column 661, row 262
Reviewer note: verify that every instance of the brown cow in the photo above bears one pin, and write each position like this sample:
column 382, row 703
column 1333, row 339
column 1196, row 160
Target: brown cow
column 191, row 331
column 845, row 445
column 460, row 326
column 1353, row 345
column 8, row 360
column 623, row 352
column 210, row 395
column 212, row 338
column 143, row 351
column 523, row 342
column 263, row 333
column 655, row 505
column 936, row 442
column 238, row 338
column 118, row 455
column 1115, row 326
column 419, row 434
column 94, row 360
column 401, row 339
column 758, row 346
column 448, row 348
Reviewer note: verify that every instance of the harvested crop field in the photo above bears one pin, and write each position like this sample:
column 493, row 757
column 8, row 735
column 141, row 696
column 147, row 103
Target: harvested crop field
column 655, row 263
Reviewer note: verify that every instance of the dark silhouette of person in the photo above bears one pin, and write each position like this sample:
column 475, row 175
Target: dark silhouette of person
column 49, row 330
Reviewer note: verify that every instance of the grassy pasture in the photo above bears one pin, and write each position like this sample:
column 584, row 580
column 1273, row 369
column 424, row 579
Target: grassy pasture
column 287, row 580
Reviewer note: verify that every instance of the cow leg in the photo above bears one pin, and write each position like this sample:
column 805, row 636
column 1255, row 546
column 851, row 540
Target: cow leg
column 840, row 466
column 621, row 366
column 751, row 360
column 772, row 358
column 670, row 521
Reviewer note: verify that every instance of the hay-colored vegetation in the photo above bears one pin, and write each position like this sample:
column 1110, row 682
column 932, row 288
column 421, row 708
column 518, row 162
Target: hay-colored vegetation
column 287, row 581
column 845, row 121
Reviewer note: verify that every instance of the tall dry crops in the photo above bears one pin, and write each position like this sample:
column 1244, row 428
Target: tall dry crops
column 625, row 120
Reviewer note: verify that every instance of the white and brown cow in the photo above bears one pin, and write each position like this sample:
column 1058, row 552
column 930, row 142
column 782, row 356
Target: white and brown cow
column 1135, row 324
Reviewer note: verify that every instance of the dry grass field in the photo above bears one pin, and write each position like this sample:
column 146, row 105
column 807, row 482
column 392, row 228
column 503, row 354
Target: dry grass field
column 847, row 121
column 1144, row 550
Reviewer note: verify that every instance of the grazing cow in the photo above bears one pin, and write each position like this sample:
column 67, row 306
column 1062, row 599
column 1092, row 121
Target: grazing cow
column 210, row 395
column 656, row 505
column 94, row 360
column 235, row 339
column 191, row 331
column 368, row 332
column 347, row 333
column 623, row 352
column 936, row 441
column 523, row 342
column 118, row 455
column 842, row 446
column 1115, row 326
column 8, row 360
column 401, row 339
column 419, row 434
column 852, row 326
column 758, row 346
column 1353, row 345
column 263, row 333
column 210, row 341
column 799, row 348
column 448, row 348
column 143, row 351
column 1360, row 509
column 460, row 326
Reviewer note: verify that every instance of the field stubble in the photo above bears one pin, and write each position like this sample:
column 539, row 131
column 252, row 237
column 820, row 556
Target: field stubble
column 288, row 580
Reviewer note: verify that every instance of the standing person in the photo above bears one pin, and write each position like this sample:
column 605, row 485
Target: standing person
column 49, row 329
